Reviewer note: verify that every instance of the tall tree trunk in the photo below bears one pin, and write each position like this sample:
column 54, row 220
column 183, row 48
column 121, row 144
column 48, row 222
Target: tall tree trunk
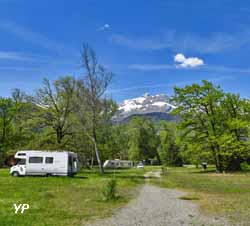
column 158, row 157
column 94, row 140
column 98, row 158
column 97, row 152
column 92, row 159
column 217, row 160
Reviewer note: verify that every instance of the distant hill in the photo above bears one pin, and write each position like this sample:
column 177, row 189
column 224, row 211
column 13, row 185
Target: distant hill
column 156, row 107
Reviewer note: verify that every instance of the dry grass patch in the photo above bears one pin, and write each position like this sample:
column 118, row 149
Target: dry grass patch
column 217, row 194
column 189, row 197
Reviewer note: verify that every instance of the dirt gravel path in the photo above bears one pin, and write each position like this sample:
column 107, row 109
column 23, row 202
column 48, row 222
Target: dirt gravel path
column 156, row 206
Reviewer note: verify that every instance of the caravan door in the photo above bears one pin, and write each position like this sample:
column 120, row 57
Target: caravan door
column 35, row 165
column 72, row 164
column 49, row 167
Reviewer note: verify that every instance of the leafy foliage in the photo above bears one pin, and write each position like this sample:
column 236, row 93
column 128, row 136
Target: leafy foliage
column 110, row 190
column 245, row 166
column 143, row 139
column 213, row 125
column 169, row 149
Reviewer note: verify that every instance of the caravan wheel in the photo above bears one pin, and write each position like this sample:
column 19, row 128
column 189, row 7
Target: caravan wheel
column 15, row 174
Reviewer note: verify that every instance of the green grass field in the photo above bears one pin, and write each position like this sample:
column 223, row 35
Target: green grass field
column 217, row 194
column 63, row 201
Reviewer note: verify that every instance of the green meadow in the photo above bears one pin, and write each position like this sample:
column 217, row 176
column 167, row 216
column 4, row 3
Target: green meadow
column 66, row 201
column 217, row 194
column 63, row 201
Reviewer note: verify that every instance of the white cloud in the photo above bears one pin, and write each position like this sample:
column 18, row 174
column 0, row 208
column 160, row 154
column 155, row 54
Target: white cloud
column 14, row 68
column 180, row 58
column 7, row 55
column 104, row 27
column 190, row 62
column 139, row 43
column 214, row 42
column 151, row 67
column 31, row 36
column 149, row 87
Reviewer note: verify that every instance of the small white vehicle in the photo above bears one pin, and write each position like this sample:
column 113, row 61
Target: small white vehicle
column 45, row 163
column 112, row 164
column 140, row 165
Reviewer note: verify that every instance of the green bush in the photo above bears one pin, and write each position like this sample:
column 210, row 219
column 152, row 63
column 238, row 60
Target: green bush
column 245, row 166
column 110, row 190
column 164, row 170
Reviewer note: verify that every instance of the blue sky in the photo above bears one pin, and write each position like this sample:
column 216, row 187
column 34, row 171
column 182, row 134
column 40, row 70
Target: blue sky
column 150, row 45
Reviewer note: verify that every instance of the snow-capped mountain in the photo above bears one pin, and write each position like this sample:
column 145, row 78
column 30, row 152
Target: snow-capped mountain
column 149, row 105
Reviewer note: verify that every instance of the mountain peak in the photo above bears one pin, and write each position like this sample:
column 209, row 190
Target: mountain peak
column 145, row 104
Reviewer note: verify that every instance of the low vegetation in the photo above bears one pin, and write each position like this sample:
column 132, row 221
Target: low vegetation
column 110, row 190
column 63, row 201
column 218, row 194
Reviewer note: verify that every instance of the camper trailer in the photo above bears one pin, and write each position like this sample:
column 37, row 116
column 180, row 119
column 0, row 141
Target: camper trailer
column 117, row 164
column 45, row 163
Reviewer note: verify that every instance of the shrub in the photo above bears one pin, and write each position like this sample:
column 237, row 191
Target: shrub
column 245, row 166
column 164, row 170
column 110, row 190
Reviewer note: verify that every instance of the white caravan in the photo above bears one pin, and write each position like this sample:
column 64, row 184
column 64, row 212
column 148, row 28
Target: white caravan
column 45, row 163
column 118, row 164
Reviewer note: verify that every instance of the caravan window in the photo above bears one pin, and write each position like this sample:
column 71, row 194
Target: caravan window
column 21, row 162
column 35, row 159
column 49, row 160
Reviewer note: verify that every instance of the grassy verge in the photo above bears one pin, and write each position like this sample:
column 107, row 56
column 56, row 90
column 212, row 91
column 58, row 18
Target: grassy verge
column 63, row 201
column 224, row 194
